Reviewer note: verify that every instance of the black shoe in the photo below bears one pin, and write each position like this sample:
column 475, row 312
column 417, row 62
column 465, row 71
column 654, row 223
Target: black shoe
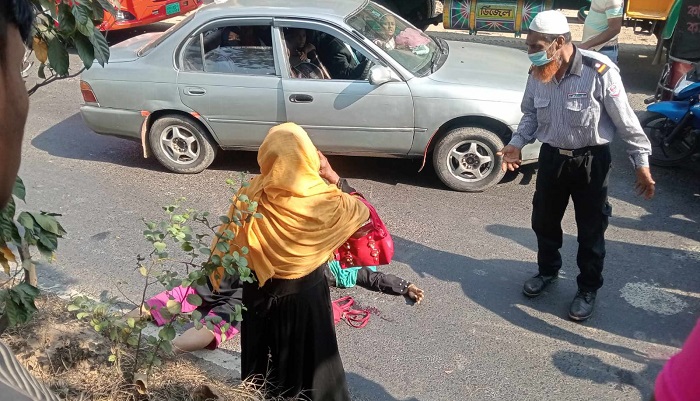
column 534, row 286
column 582, row 305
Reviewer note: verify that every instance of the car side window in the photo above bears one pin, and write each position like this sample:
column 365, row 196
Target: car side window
column 242, row 50
column 313, row 54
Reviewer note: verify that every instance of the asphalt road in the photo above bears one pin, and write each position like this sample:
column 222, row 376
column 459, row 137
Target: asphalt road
column 476, row 337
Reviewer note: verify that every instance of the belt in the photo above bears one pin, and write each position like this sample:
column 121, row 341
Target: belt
column 575, row 152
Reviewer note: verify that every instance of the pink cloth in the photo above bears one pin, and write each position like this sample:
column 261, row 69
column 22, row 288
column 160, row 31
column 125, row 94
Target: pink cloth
column 680, row 378
column 411, row 38
column 180, row 294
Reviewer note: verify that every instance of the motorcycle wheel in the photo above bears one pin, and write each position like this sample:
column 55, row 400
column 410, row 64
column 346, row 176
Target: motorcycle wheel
column 657, row 128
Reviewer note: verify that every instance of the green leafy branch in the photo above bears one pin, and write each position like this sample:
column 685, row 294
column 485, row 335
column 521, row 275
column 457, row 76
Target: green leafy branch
column 19, row 233
column 63, row 24
column 180, row 255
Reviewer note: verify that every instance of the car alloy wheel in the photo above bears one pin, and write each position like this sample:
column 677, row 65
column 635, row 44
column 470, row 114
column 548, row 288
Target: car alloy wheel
column 179, row 144
column 470, row 161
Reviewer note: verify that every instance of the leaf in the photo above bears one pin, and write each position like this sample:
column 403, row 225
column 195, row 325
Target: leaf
column 224, row 219
column 66, row 20
column 196, row 315
column 108, row 6
column 112, row 358
column 144, row 271
column 85, row 49
column 167, row 333
column 12, row 312
column 258, row 216
column 82, row 315
column 6, row 256
column 100, row 46
column 26, row 220
column 58, row 57
column 41, row 72
column 41, row 49
column 82, row 14
column 160, row 246
column 47, row 223
column 19, row 190
column 173, row 307
column 194, row 299
column 223, row 247
column 73, row 308
column 131, row 322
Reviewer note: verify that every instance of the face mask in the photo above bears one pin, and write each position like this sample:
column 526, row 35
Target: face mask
column 540, row 58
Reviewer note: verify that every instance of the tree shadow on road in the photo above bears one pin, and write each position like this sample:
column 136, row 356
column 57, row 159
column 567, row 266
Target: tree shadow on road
column 363, row 389
column 589, row 367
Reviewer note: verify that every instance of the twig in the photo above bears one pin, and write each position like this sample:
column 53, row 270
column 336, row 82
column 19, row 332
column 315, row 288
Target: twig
column 52, row 79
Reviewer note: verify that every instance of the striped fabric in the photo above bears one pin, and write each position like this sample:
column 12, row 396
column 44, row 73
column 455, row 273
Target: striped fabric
column 586, row 108
column 17, row 384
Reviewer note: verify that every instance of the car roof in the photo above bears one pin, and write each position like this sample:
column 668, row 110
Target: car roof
column 326, row 9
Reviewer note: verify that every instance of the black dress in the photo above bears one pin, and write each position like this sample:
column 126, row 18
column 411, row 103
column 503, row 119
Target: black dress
column 288, row 339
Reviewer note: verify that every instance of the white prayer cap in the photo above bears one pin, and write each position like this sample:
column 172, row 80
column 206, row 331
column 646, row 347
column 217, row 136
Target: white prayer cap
column 550, row 22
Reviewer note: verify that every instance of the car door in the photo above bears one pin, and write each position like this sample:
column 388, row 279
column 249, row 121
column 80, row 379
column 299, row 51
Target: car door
column 346, row 116
column 235, row 85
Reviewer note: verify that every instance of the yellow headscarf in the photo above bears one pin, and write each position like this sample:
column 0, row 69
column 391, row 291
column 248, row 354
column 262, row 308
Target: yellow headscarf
column 304, row 218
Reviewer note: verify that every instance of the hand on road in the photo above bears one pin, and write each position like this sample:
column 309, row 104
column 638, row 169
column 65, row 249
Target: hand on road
column 645, row 185
column 415, row 293
column 511, row 158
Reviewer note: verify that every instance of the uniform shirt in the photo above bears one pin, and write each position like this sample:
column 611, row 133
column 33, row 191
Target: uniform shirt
column 597, row 20
column 585, row 108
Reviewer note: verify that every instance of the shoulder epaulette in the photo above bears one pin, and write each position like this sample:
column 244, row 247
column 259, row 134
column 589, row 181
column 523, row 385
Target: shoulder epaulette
column 599, row 66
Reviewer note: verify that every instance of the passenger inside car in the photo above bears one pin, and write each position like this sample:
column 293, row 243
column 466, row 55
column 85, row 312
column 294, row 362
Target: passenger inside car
column 303, row 57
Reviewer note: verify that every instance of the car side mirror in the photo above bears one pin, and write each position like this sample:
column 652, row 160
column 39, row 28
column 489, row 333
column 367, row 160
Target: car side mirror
column 379, row 75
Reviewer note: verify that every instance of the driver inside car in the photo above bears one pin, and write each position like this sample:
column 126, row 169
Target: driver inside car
column 340, row 59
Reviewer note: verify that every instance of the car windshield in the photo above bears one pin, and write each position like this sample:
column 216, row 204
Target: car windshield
column 159, row 39
column 403, row 42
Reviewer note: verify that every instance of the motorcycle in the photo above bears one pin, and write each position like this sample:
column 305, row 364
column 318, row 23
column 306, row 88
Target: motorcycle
column 673, row 126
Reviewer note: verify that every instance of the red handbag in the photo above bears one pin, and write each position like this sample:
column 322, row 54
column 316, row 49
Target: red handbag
column 373, row 249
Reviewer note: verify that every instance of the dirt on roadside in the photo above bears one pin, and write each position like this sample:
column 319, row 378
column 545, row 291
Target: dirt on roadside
column 73, row 360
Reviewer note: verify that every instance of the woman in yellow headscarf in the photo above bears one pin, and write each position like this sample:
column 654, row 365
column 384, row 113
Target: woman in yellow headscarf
column 287, row 333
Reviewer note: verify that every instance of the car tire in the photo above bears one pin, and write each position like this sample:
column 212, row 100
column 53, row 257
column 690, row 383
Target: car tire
column 181, row 144
column 465, row 159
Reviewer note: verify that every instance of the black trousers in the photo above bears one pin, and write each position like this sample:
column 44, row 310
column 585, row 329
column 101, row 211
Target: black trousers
column 582, row 177
column 288, row 338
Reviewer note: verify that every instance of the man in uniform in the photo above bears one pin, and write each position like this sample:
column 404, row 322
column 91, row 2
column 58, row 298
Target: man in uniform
column 574, row 103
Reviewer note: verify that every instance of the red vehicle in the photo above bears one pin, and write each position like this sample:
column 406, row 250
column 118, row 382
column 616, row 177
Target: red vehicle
column 133, row 13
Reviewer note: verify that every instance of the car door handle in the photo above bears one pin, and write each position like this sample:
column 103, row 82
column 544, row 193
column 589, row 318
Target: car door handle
column 195, row 91
column 298, row 98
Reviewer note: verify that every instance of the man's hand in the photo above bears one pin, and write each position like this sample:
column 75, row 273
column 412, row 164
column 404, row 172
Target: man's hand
column 645, row 185
column 326, row 171
column 511, row 158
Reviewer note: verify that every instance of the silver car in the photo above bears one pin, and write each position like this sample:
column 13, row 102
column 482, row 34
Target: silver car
column 357, row 77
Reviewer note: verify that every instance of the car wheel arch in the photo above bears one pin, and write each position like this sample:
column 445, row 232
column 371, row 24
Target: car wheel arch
column 154, row 116
column 496, row 126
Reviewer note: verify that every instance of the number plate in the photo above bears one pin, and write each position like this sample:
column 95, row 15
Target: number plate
column 172, row 8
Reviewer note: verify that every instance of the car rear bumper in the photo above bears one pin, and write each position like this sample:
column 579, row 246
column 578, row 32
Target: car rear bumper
column 117, row 122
